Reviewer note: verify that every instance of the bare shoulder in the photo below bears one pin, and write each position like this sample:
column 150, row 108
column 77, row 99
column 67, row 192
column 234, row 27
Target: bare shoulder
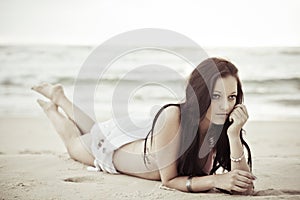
column 168, row 123
column 170, row 116
column 173, row 111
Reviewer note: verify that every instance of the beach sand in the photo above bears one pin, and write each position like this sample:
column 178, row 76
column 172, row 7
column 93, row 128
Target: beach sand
column 34, row 165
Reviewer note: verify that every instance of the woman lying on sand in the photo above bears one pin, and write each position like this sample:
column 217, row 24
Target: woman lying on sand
column 187, row 142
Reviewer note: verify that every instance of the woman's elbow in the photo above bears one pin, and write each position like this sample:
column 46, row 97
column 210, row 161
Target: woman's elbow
column 166, row 183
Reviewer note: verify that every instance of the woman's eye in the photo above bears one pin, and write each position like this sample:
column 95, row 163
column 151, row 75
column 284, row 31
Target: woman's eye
column 216, row 96
column 232, row 97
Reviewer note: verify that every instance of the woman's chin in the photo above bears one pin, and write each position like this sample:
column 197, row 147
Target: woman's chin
column 219, row 121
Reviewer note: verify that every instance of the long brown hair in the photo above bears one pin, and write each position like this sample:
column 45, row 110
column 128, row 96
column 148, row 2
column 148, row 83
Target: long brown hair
column 193, row 110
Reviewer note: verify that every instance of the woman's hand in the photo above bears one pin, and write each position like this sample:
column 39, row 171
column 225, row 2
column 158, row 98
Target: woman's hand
column 239, row 117
column 236, row 181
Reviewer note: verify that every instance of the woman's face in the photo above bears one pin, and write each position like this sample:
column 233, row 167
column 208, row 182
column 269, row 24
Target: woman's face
column 223, row 100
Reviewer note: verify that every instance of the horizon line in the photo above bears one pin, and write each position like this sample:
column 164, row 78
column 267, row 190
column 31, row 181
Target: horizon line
column 94, row 45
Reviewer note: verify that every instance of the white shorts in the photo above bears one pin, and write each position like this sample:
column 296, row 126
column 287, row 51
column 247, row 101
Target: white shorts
column 108, row 136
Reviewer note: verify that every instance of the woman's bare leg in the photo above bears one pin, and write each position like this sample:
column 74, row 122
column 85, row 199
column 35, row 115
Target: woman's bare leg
column 69, row 133
column 56, row 94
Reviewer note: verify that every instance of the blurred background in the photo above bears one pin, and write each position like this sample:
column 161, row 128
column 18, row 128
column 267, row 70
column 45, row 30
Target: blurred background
column 43, row 40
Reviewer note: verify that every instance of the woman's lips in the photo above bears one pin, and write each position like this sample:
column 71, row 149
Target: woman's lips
column 222, row 114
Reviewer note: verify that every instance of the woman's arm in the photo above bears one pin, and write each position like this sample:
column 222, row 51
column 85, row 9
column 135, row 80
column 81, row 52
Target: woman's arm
column 239, row 116
column 166, row 144
column 237, row 152
column 233, row 181
column 198, row 184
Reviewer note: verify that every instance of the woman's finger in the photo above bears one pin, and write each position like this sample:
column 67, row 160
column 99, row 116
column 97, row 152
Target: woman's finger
column 238, row 116
column 243, row 107
column 247, row 174
column 242, row 184
column 243, row 116
column 244, row 179
column 245, row 110
column 233, row 117
column 238, row 189
column 240, row 113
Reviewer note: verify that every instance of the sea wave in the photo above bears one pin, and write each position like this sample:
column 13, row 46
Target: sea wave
column 69, row 80
column 294, row 51
column 288, row 102
column 274, row 80
column 270, row 76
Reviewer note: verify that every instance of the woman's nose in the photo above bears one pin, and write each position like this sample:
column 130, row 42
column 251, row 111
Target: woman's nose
column 224, row 106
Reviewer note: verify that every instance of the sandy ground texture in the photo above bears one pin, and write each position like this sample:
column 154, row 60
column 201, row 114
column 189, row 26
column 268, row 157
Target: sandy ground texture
column 34, row 165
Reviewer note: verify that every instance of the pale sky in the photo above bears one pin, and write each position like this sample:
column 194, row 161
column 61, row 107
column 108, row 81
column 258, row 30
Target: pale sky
column 209, row 22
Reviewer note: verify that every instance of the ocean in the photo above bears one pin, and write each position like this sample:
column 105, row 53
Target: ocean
column 270, row 77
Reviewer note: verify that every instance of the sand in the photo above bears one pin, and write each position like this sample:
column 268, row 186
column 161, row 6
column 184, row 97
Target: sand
column 34, row 165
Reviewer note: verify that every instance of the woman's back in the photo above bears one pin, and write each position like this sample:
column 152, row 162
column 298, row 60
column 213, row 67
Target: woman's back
column 129, row 159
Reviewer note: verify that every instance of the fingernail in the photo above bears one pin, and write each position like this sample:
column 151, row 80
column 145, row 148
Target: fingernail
column 254, row 177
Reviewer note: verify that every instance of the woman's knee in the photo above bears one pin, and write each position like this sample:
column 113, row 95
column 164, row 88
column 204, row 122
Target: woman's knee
column 79, row 151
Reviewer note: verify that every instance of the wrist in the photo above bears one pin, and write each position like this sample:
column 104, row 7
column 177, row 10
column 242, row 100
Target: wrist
column 232, row 131
column 233, row 137
column 215, row 180
column 234, row 141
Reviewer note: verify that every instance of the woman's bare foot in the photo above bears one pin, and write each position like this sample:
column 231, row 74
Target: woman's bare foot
column 47, row 106
column 52, row 92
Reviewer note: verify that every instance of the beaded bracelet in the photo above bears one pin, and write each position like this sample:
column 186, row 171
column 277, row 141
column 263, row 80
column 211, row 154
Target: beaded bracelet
column 237, row 159
column 189, row 184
